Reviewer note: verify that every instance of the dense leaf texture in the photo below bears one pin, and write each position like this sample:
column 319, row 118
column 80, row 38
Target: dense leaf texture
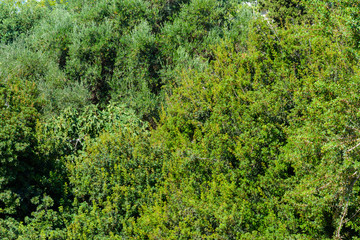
column 195, row 119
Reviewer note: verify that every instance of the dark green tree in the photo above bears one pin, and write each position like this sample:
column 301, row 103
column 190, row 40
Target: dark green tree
column 17, row 19
column 284, row 11
column 21, row 170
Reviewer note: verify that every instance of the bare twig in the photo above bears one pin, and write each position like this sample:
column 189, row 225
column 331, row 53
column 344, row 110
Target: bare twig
column 357, row 211
column 344, row 213
column 353, row 147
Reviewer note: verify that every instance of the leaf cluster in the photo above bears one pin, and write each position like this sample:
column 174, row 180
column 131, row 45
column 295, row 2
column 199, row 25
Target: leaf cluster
column 184, row 119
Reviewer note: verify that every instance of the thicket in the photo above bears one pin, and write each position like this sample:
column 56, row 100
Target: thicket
column 185, row 119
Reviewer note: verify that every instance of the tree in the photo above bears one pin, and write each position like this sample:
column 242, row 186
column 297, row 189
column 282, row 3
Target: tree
column 17, row 19
column 270, row 129
column 20, row 168
column 283, row 11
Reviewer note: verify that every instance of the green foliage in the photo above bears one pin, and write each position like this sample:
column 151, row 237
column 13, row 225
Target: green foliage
column 110, row 180
column 19, row 113
column 63, row 135
column 52, row 35
column 17, row 19
column 120, row 50
column 55, row 89
column 202, row 24
column 189, row 119
column 285, row 11
column 136, row 80
column 268, row 132
column 44, row 223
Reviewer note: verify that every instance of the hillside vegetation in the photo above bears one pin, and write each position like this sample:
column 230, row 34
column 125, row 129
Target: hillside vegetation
column 179, row 119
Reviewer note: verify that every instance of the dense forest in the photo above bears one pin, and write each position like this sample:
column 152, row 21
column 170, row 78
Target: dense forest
column 179, row 119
